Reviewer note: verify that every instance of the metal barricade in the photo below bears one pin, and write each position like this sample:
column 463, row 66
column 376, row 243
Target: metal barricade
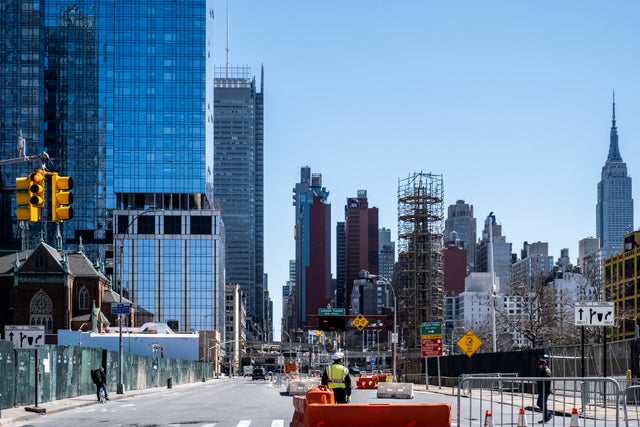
column 631, row 404
column 596, row 400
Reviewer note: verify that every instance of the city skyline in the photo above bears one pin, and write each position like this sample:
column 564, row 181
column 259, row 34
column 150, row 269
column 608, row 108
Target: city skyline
column 510, row 102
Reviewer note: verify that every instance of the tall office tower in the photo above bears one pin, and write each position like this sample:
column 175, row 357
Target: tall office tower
column 501, row 253
column 313, row 248
column 120, row 94
column 288, row 302
column 461, row 220
column 361, row 241
column 169, row 240
column 55, row 94
column 238, row 183
column 341, row 265
column 386, row 253
column 614, row 210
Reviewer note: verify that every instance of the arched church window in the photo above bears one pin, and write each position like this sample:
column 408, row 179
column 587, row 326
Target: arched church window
column 41, row 311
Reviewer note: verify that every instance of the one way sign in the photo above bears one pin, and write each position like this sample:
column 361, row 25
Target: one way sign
column 597, row 314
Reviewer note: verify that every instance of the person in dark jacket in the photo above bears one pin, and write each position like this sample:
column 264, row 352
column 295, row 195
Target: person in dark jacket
column 544, row 390
column 100, row 380
column 336, row 377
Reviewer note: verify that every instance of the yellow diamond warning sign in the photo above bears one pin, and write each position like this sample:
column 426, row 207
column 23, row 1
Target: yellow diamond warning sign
column 469, row 343
column 360, row 322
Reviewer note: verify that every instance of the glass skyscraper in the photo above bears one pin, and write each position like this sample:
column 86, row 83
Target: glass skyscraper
column 614, row 210
column 239, row 185
column 119, row 93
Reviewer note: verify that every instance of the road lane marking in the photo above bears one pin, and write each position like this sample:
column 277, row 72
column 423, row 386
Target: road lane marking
column 244, row 423
column 277, row 423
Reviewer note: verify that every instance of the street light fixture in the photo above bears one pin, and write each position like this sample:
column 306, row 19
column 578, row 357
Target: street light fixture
column 120, row 387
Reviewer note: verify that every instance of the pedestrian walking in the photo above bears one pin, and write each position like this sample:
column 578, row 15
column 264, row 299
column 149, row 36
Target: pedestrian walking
column 99, row 378
column 544, row 390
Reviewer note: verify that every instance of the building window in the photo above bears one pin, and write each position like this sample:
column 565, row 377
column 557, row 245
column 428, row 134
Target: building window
column 83, row 299
column 147, row 225
column 201, row 225
column 172, row 224
column 41, row 311
column 123, row 222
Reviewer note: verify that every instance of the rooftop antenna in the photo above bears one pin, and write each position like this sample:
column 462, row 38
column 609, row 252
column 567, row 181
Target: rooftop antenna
column 227, row 38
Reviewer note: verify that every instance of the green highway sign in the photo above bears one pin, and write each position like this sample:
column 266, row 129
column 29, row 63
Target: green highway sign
column 431, row 328
column 331, row 312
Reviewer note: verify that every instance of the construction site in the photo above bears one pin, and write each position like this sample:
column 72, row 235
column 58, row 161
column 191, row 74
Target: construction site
column 419, row 276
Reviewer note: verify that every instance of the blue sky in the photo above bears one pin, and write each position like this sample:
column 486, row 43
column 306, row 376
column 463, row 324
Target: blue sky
column 509, row 100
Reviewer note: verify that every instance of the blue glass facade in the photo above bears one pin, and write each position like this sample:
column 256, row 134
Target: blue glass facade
column 120, row 93
column 177, row 278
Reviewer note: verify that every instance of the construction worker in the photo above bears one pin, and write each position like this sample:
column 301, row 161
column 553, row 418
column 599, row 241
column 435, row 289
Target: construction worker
column 336, row 377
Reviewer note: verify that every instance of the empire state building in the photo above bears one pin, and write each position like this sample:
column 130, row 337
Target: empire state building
column 614, row 211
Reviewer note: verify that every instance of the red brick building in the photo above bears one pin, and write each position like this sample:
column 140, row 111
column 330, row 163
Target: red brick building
column 57, row 289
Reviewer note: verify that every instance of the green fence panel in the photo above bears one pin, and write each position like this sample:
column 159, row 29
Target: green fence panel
column 65, row 372
column 7, row 374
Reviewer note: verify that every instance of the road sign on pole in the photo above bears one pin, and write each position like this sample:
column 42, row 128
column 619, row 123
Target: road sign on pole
column 431, row 334
column 120, row 308
column 595, row 314
column 25, row 336
column 469, row 343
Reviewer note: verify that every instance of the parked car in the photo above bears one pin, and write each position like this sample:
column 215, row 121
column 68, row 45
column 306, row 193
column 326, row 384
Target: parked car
column 259, row 374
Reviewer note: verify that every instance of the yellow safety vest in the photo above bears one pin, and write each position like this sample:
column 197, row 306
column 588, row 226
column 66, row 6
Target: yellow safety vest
column 336, row 374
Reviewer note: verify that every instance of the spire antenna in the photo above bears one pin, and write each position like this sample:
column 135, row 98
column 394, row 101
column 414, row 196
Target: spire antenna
column 613, row 120
column 227, row 38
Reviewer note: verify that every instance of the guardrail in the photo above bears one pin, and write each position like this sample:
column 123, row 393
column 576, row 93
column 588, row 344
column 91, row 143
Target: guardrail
column 594, row 398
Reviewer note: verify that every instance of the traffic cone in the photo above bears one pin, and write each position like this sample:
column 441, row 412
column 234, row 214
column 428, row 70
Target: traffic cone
column 575, row 420
column 488, row 420
column 522, row 419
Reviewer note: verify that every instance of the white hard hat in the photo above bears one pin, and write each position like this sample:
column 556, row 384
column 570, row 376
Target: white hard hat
column 338, row 356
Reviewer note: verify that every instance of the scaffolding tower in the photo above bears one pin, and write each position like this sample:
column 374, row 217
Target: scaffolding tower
column 419, row 273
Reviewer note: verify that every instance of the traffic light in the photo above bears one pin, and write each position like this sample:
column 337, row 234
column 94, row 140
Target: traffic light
column 36, row 189
column 331, row 323
column 24, row 212
column 61, row 198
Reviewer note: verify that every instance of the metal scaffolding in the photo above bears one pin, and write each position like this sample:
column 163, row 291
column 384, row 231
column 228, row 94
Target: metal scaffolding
column 419, row 273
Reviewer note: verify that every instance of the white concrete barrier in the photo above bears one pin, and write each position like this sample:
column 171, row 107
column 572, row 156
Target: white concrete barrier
column 301, row 387
column 395, row 390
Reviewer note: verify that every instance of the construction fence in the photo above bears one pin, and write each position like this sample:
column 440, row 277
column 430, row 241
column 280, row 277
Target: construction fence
column 64, row 372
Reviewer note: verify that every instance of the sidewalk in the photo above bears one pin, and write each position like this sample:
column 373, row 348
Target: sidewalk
column 9, row 416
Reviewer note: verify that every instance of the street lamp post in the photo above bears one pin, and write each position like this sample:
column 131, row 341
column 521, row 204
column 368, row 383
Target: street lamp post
column 120, row 386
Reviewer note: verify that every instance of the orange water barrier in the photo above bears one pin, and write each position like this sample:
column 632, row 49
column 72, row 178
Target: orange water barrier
column 367, row 382
column 377, row 415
